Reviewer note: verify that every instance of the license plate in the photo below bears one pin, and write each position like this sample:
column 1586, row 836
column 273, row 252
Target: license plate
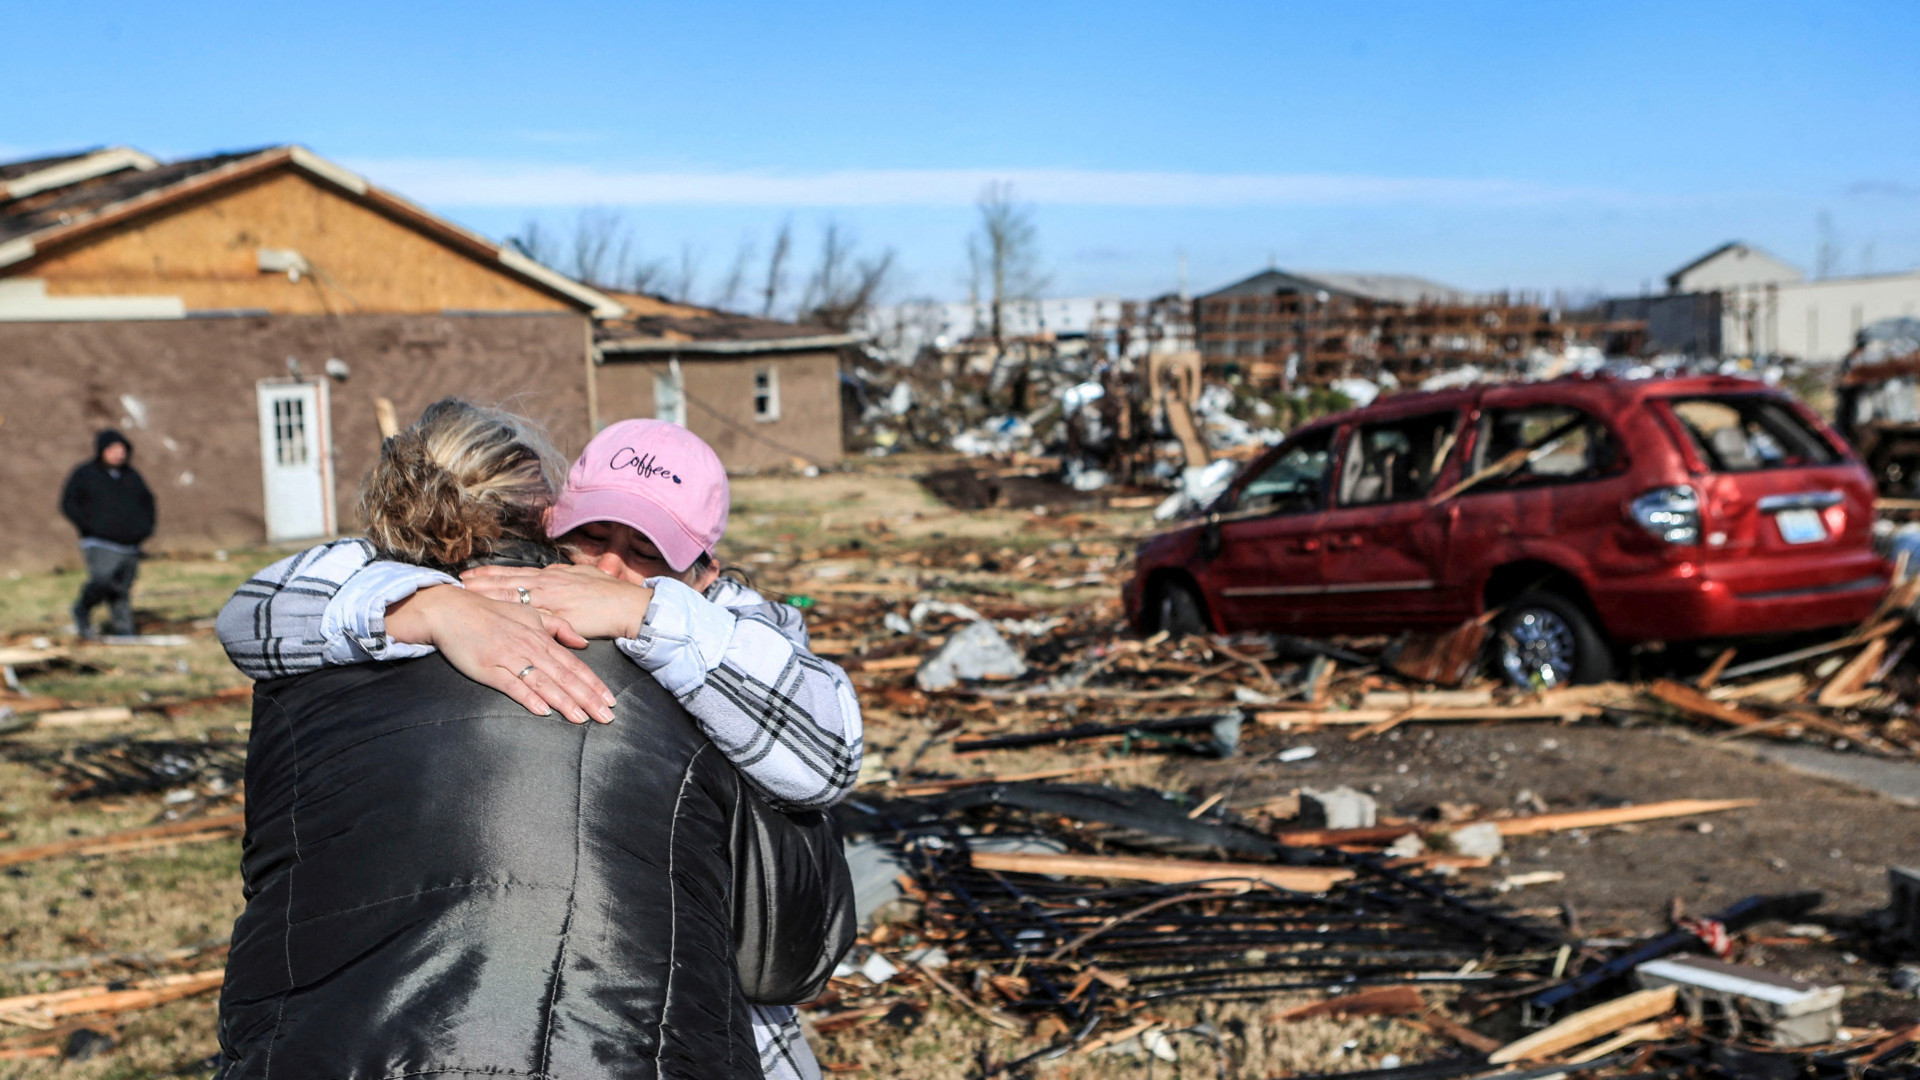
column 1801, row 526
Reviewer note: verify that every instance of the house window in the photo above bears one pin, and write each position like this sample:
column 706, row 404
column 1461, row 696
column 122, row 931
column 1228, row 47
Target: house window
column 669, row 398
column 766, row 394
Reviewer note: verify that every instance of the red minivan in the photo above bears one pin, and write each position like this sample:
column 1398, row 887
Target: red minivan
column 1593, row 513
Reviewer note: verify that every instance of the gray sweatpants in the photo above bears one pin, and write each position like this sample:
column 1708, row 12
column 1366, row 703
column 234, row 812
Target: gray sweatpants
column 110, row 577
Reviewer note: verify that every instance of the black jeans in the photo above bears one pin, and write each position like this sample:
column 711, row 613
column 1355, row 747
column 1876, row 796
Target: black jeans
column 110, row 577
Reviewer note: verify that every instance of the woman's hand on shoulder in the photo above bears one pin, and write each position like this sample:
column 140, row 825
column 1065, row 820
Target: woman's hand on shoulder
column 594, row 603
column 492, row 643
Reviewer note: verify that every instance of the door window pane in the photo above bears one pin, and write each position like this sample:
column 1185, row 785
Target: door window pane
column 1293, row 482
column 1747, row 432
column 290, row 431
column 1565, row 445
column 1396, row 460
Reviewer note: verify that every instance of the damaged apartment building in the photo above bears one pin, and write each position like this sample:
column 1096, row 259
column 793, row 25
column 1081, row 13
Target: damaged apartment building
column 256, row 321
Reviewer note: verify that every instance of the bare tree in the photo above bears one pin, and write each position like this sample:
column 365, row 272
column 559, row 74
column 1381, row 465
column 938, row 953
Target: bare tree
column 536, row 243
column 1004, row 256
column 728, row 292
column 777, row 268
column 602, row 246
column 686, row 276
column 842, row 287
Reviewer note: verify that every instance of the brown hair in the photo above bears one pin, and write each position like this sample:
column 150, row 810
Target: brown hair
column 459, row 482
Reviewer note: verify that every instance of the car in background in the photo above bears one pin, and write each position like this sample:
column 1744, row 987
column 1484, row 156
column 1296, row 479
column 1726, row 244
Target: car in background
column 1591, row 514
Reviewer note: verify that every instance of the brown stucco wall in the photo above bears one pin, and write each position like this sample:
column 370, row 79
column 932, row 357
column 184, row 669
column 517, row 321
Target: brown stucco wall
column 720, row 404
column 199, row 448
column 206, row 251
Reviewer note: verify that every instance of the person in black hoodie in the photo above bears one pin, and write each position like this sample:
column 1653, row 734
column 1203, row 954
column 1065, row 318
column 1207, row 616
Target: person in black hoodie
column 109, row 503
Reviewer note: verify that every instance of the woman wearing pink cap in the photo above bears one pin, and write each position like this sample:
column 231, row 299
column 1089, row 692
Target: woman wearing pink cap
column 641, row 511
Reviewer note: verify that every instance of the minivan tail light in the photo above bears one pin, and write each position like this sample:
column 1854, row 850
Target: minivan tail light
column 1671, row 514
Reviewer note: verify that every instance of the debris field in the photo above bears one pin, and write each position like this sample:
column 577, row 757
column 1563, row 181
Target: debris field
column 1083, row 853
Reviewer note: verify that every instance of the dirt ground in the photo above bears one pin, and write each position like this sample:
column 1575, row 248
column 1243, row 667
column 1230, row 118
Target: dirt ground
column 843, row 541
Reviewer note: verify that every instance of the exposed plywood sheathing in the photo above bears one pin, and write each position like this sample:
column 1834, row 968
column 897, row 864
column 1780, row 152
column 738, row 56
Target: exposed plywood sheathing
column 364, row 262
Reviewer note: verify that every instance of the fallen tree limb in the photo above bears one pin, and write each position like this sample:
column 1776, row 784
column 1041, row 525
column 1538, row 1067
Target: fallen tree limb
column 1164, row 871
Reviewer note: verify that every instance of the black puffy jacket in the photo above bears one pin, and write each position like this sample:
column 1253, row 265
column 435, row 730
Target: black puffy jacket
column 440, row 884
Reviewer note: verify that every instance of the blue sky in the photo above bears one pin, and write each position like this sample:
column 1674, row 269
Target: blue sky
column 1543, row 145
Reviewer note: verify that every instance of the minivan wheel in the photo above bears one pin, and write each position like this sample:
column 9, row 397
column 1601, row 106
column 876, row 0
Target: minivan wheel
column 1544, row 640
column 1180, row 611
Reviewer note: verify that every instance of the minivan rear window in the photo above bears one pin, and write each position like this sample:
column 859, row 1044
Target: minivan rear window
column 1748, row 432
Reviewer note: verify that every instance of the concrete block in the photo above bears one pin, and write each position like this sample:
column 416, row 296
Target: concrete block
column 1340, row 808
column 1482, row 841
column 1788, row 1011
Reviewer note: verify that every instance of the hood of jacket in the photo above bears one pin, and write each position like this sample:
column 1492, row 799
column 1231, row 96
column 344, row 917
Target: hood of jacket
column 107, row 437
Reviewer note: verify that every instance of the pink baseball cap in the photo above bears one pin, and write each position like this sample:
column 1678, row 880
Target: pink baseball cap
column 655, row 476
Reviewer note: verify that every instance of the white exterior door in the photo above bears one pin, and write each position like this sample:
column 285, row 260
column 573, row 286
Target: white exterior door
column 295, row 459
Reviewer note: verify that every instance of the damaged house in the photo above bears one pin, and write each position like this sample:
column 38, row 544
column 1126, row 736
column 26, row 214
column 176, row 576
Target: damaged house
column 247, row 318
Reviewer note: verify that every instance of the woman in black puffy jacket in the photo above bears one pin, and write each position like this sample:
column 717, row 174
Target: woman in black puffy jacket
column 439, row 885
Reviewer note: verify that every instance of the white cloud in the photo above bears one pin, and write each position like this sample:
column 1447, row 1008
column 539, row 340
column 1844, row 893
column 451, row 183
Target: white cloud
column 447, row 182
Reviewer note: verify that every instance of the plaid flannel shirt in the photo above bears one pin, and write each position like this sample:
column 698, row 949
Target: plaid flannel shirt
column 739, row 664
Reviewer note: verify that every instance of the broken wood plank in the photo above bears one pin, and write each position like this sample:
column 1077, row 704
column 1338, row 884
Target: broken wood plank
column 1712, row 674
column 1780, row 688
column 1163, row 871
column 1378, row 1001
column 13, row 656
column 1286, row 718
column 1440, row 1024
column 34, row 1010
column 1446, row 699
column 935, row 787
column 1619, row 815
column 1768, row 663
column 229, row 823
column 1520, row 826
column 1695, row 703
column 1852, row 676
column 1587, row 1025
column 100, row 714
column 1413, row 712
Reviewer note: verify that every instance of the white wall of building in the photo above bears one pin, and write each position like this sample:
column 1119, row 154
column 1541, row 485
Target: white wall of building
column 1734, row 265
column 1812, row 320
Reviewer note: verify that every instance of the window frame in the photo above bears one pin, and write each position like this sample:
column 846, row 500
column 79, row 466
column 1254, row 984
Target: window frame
column 1709, row 459
column 1332, row 436
column 772, row 393
column 675, row 381
column 1350, row 445
column 1622, row 459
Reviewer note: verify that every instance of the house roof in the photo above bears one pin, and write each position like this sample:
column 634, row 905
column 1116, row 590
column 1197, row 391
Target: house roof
column 55, row 217
column 655, row 324
column 1732, row 246
column 1387, row 288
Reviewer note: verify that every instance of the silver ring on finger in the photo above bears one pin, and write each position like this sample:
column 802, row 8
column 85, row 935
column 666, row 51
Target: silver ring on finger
column 524, row 672
column 526, row 594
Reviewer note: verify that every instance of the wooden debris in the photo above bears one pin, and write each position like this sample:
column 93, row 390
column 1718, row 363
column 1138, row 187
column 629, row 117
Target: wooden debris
column 1164, row 871
column 1587, row 1025
column 1695, row 703
column 43, row 1010
column 1712, row 674
column 1852, row 676
column 935, row 787
column 188, row 831
column 1446, row 658
column 1439, row 1023
column 1378, row 1001
column 1521, row 826
column 101, row 714
column 1289, row 718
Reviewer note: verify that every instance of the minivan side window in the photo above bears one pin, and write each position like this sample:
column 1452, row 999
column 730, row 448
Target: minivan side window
column 1396, row 460
column 1292, row 483
column 1748, row 432
column 1570, row 444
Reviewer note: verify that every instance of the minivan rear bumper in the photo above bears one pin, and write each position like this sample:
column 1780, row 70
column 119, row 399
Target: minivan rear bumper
column 1742, row 599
